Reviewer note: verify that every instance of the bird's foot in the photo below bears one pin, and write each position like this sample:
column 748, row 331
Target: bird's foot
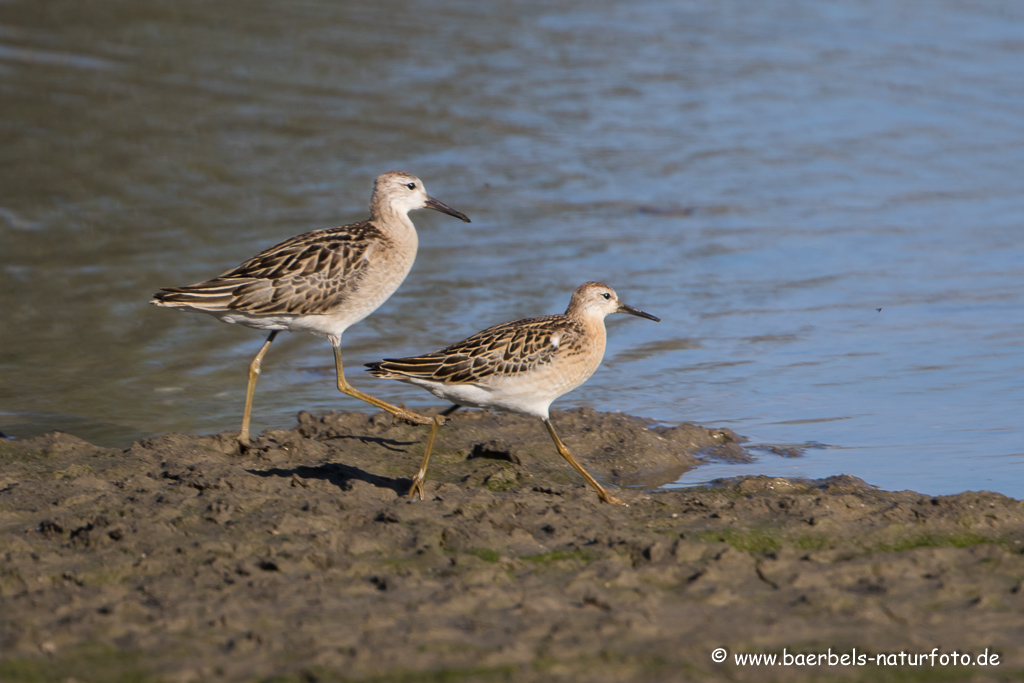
column 414, row 419
column 609, row 498
column 416, row 489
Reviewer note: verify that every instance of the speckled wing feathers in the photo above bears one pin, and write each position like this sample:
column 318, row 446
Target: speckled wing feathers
column 506, row 350
column 309, row 274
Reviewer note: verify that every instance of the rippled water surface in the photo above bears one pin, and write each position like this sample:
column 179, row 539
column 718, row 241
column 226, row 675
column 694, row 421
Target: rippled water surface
column 824, row 202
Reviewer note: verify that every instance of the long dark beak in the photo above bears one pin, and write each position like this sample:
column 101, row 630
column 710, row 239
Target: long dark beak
column 444, row 208
column 623, row 308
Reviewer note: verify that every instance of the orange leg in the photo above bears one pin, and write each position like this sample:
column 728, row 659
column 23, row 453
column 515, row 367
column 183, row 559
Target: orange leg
column 564, row 452
column 254, row 373
column 346, row 388
column 417, row 481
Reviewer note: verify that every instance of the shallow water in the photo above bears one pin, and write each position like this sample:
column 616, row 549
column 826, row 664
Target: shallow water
column 764, row 177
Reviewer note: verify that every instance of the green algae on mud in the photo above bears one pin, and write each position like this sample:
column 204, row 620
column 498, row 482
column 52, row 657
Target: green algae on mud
column 86, row 662
column 178, row 559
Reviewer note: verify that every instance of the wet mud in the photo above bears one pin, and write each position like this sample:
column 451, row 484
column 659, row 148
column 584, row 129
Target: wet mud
column 181, row 559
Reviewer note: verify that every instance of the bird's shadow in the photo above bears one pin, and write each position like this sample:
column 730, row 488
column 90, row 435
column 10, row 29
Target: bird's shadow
column 389, row 444
column 338, row 474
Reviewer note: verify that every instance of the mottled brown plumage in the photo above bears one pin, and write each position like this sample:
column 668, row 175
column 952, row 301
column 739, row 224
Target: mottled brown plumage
column 507, row 350
column 311, row 274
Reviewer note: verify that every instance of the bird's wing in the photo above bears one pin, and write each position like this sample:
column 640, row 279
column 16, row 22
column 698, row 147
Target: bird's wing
column 503, row 350
column 305, row 275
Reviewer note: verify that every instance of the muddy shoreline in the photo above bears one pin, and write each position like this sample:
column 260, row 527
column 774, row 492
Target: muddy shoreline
column 179, row 559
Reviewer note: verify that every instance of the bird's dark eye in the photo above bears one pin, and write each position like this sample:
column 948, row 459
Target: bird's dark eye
column 411, row 186
column 606, row 295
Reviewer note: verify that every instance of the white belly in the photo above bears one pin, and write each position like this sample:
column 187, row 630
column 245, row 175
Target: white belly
column 515, row 395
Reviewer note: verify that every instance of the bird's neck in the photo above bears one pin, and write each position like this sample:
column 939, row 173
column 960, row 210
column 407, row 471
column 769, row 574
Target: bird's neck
column 396, row 223
column 594, row 329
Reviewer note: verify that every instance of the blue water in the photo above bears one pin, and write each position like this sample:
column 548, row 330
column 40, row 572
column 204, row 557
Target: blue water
column 822, row 201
